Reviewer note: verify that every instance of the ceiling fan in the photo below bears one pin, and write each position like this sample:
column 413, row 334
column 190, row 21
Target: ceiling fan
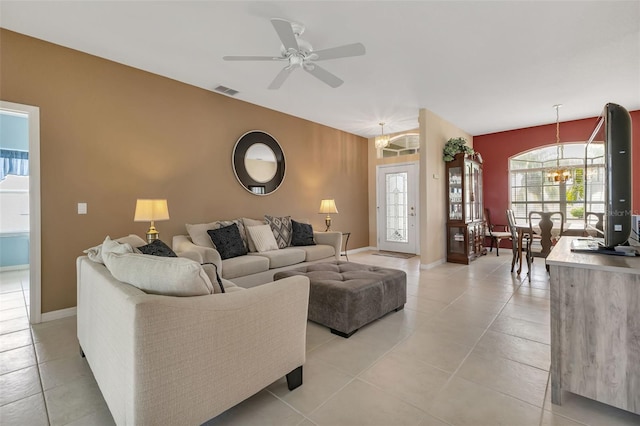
column 299, row 53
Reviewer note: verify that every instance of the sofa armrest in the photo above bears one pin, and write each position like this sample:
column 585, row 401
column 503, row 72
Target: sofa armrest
column 215, row 351
column 184, row 247
column 331, row 238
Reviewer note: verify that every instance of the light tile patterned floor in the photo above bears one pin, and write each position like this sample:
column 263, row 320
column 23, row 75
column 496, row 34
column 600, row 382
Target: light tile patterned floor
column 471, row 347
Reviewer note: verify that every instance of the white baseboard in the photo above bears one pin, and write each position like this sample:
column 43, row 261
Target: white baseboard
column 59, row 314
column 432, row 264
column 14, row 268
column 360, row 250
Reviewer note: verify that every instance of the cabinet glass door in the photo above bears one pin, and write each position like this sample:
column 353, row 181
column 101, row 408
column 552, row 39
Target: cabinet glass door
column 455, row 193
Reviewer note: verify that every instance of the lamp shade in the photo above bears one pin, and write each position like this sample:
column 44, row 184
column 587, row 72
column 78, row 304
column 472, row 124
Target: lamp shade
column 328, row 207
column 151, row 210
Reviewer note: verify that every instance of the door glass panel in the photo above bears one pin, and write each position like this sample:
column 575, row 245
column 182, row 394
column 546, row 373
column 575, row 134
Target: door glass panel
column 397, row 209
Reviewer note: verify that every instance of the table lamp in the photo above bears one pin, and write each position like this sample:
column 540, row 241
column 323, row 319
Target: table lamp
column 151, row 210
column 328, row 207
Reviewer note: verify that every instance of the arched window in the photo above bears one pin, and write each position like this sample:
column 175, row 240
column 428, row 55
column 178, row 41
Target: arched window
column 405, row 144
column 531, row 189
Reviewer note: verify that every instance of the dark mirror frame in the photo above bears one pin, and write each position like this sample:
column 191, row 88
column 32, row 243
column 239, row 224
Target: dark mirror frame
column 239, row 152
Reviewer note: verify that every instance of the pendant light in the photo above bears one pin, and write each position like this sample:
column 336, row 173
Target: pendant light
column 383, row 140
column 559, row 174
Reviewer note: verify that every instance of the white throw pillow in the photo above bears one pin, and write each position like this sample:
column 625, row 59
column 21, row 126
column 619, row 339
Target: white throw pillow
column 168, row 276
column 198, row 233
column 95, row 253
column 263, row 238
column 251, row 222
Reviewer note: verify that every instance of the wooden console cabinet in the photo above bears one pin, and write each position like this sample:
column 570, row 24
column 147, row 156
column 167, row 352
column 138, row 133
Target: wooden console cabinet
column 465, row 227
column 595, row 326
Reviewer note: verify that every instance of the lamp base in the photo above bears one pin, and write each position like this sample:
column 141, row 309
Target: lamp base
column 152, row 235
column 327, row 221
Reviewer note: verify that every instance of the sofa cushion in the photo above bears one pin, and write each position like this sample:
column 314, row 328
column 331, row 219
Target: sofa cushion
column 317, row 252
column 247, row 223
column 157, row 248
column 243, row 265
column 95, row 253
column 169, row 276
column 282, row 257
column 281, row 227
column 200, row 237
column 262, row 238
column 228, row 241
column 302, row 234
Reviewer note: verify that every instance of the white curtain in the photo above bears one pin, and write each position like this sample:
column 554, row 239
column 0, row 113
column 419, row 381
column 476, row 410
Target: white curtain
column 13, row 162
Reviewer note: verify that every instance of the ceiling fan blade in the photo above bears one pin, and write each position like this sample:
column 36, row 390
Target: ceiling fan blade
column 323, row 75
column 252, row 58
column 285, row 32
column 355, row 49
column 280, row 78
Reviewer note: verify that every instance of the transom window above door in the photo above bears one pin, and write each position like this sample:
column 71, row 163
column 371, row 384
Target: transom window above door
column 405, row 144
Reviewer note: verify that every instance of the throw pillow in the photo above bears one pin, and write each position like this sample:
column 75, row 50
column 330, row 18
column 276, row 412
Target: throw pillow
column 281, row 228
column 95, row 253
column 200, row 237
column 263, row 238
column 251, row 222
column 169, row 276
column 157, row 248
column 228, row 241
column 212, row 272
column 302, row 234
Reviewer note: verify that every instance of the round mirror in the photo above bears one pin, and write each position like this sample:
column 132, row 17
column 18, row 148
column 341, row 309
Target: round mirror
column 258, row 162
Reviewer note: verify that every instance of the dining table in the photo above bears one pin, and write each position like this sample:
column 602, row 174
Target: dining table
column 569, row 229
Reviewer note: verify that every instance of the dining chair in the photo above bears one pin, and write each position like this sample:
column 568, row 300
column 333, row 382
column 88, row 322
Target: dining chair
column 511, row 220
column 492, row 232
column 541, row 243
column 599, row 222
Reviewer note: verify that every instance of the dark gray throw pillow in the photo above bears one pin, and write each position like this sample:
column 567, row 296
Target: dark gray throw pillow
column 302, row 234
column 227, row 241
column 157, row 248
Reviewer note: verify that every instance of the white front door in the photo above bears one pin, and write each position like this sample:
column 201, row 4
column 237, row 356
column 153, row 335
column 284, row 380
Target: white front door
column 397, row 194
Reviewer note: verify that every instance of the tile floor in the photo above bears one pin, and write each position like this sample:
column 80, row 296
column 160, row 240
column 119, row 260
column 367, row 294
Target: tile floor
column 471, row 347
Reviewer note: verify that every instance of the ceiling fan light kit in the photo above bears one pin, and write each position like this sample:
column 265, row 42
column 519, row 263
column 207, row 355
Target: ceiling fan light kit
column 300, row 54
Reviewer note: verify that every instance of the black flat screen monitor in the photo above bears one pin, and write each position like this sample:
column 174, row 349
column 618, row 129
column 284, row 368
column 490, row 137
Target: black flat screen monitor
column 608, row 177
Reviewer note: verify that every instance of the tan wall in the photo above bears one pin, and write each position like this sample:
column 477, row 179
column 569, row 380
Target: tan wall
column 374, row 161
column 111, row 134
column 434, row 133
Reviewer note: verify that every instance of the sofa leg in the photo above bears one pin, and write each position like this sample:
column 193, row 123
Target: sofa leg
column 294, row 379
column 399, row 308
column 81, row 351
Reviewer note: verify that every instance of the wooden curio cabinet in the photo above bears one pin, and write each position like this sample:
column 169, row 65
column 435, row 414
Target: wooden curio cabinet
column 465, row 233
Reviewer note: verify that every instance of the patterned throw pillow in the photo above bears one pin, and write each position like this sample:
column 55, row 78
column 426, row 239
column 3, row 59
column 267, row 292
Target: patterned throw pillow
column 281, row 228
column 228, row 241
column 157, row 248
column 200, row 236
column 302, row 234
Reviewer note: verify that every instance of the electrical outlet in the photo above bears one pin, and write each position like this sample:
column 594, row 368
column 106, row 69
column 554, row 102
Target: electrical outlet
column 82, row 208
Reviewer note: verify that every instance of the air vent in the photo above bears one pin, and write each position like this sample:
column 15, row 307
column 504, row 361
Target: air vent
column 226, row 90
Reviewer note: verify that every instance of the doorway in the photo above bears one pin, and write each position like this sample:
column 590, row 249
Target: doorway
column 397, row 208
column 20, row 192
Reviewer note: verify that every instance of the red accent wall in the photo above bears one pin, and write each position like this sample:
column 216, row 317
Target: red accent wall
column 496, row 148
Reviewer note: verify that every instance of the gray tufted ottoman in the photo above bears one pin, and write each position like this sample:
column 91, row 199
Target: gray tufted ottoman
column 344, row 296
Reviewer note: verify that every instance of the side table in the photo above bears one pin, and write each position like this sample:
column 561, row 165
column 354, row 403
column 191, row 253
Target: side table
column 346, row 243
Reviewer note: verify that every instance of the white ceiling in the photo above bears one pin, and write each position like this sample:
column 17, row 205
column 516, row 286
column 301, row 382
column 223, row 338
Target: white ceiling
column 483, row 66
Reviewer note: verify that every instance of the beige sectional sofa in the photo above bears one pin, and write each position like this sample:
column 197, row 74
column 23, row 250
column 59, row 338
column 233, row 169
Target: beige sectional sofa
column 256, row 268
column 169, row 360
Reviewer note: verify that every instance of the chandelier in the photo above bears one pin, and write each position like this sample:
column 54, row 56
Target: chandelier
column 383, row 140
column 559, row 174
